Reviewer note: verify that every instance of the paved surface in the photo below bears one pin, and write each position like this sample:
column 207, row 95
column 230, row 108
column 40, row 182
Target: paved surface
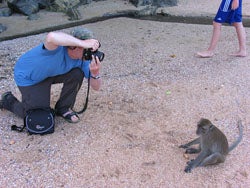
column 196, row 11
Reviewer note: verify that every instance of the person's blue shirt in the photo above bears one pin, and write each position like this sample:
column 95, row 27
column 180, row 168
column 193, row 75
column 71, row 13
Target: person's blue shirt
column 39, row 63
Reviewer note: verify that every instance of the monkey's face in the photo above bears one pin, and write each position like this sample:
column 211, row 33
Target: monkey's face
column 203, row 126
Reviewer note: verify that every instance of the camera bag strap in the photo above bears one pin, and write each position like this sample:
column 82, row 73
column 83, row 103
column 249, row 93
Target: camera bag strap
column 87, row 98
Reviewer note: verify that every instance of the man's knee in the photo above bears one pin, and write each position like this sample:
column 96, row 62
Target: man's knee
column 77, row 74
column 238, row 25
column 217, row 24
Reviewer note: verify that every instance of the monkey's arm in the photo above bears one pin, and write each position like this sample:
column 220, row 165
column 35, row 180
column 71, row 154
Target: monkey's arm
column 195, row 141
column 192, row 150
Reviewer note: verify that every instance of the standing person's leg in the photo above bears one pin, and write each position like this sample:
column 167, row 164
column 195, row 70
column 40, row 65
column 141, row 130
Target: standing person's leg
column 220, row 17
column 241, row 35
column 35, row 96
column 213, row 43
column 72, row 82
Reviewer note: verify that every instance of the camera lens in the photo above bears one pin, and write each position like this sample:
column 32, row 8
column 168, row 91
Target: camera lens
column 99, row 54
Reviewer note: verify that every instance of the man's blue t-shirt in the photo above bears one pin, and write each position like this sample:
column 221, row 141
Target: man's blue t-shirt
column 39, row 63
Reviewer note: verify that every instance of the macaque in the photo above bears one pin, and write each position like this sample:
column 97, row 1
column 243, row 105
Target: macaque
column 213, row 145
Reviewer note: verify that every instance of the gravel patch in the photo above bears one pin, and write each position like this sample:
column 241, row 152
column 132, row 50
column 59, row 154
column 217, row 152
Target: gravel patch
column 154, row 91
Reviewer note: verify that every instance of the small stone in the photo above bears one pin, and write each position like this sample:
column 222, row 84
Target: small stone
column 185, row 156
column 12, row 142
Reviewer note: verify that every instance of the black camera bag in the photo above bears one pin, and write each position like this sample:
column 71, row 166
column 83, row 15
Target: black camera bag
column 38, row 121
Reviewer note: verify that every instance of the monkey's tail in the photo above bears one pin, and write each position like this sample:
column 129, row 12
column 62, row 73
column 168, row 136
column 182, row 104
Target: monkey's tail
column 240, row 126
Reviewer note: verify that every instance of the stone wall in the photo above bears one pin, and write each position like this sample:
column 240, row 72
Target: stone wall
column 29, row 8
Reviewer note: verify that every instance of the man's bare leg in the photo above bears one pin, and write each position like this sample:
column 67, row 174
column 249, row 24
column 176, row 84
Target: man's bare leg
column 241, row 34
column 215, row 38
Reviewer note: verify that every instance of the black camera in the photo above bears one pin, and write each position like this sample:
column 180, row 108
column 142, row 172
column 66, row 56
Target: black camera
column 87, row 54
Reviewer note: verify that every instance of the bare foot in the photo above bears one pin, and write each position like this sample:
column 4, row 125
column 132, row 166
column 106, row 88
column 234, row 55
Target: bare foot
column 205, row 54
column 239, row 54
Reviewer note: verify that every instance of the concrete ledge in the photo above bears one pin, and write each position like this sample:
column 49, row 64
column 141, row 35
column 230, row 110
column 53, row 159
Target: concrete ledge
column 19, row 26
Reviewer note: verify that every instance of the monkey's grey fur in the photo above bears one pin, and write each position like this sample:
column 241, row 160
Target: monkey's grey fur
column 213, row 145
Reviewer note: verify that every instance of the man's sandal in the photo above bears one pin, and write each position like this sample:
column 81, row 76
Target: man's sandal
column 68, row 117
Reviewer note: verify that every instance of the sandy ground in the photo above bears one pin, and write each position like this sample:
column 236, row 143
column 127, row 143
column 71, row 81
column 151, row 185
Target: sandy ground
column 154, row 91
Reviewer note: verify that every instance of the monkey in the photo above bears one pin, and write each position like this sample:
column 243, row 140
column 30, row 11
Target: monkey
column 213, row 145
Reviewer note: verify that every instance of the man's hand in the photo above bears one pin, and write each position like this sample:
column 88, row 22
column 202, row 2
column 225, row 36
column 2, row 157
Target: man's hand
column 95, row 66
column 235, row 4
